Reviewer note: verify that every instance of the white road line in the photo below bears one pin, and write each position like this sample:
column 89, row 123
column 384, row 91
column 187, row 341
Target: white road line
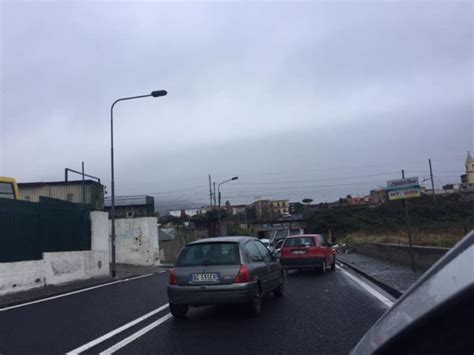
column 136, row 335
column 73, row 292
column 368, row 288
column 115, row 331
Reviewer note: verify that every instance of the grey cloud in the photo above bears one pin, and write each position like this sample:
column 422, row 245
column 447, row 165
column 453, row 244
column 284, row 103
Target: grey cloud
column 251, row 85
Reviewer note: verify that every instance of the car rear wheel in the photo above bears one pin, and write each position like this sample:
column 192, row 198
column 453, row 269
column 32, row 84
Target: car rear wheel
column 179, row 310
column 333, row 265
column 255, row 304
column 280, row 290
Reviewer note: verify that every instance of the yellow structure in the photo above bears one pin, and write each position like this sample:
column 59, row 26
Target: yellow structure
column 8, row 188
column 469, row 169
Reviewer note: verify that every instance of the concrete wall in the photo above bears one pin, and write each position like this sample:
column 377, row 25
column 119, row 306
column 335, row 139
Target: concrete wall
column 169, row 249
column 61, row 267
column 75, row 265
column 400, row 254
column 100, row 231
column 53, row 269
column 136, row 241
column 21, row 276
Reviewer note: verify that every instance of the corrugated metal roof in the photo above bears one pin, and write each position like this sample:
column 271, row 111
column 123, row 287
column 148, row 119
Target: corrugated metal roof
column 56, row 183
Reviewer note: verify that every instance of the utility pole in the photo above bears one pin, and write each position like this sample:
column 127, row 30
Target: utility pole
column 214, row 194
column 410, row 242
column 83, row 190
column 210, row 191
column 219, row 213
column 432, row 182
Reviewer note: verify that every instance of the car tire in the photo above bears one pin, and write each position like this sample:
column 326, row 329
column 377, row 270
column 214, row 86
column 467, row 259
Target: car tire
column 323, row 269
column 333, row 265
column 255, row 304
column 179, row 310
column 280, row 290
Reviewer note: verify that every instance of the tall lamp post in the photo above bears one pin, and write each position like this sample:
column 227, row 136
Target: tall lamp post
column 157, row 93
column 219, row 197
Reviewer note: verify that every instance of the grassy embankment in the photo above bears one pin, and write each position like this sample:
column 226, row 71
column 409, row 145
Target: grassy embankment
column 442, row 224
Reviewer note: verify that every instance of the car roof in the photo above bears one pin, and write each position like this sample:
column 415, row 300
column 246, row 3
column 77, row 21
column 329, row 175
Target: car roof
column 232, row 239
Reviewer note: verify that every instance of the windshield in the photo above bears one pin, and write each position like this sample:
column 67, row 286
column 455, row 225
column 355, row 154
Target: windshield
column 204, row 254
column 141, row 139
column 6, row 190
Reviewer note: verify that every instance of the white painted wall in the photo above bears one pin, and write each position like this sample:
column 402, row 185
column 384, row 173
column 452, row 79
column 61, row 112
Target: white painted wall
column 100, row 230
column 70, row 266
column 137, row 241
column 53, row 269
column 21, row 276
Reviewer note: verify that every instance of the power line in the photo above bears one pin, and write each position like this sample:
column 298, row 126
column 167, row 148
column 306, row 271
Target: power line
column 315, row 180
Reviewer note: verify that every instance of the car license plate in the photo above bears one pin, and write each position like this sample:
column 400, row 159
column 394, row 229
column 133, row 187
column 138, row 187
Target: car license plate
column 212, row 277
column 299, row 251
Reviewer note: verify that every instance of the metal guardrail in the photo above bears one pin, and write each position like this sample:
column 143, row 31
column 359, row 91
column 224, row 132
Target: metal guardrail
column 390, row 290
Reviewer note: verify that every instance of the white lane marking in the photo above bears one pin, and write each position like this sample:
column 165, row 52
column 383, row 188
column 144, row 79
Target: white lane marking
column 136, row 335
column 368, row 288
column 115, row 331
column 73, row 292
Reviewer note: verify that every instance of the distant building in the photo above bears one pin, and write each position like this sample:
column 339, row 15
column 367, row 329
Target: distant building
column 271, row 209
column 451, row 188
column 280, row 207
column 296, row 207
column 189, row 212
column 90, row 193
column 132, row 206
column 378, row 197
column 358, row 201
column 236, row 209
column 263, row 209
column 195, row 211
column 177, row 213
column 467, row 179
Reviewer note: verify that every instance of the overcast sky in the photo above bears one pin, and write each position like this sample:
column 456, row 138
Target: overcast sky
column 304, row 99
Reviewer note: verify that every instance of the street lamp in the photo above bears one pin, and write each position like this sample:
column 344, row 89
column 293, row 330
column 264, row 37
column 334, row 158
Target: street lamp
column 219, row 197
column 157, row 93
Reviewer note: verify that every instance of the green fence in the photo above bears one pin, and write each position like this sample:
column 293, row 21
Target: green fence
column 28, row 229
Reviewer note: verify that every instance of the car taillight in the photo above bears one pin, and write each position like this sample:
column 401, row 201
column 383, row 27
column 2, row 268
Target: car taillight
column 243, row 275
column 172, row 277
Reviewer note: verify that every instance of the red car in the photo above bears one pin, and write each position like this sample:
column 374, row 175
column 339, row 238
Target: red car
column 307, row 251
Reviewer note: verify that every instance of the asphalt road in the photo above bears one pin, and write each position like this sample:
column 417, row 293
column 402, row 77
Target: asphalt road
column 325, row 314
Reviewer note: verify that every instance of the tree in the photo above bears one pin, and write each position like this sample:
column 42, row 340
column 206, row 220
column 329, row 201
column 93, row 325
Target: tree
column 307, row 201
column 227, row 203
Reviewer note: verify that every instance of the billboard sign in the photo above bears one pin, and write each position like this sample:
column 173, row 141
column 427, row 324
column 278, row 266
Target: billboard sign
column 402, row 184
column 401, row 189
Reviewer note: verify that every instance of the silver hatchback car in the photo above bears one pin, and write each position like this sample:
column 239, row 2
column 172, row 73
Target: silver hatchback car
column 224, row 270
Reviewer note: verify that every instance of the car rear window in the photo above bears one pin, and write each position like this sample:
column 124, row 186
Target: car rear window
column 213, row 253
column 300, row 242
